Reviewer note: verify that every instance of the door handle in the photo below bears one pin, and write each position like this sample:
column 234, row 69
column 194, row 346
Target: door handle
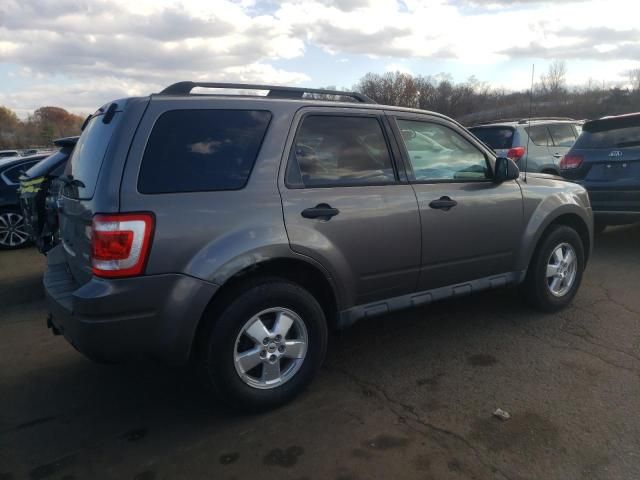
column 557, row 155
column 443, row 203
column 321, row 211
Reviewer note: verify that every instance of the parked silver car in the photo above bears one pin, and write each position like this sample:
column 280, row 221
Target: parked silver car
column 539, row 143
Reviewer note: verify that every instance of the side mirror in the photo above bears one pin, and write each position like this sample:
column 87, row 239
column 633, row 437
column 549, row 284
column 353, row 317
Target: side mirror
column 505, row 169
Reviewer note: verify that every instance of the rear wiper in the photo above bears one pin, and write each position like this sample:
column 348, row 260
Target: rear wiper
column 70, row 181
column 632, row 143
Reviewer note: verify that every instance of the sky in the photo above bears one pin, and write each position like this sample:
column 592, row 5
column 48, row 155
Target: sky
column 80, row 54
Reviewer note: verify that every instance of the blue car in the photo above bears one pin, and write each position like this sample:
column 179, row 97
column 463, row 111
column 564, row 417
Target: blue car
column 606, row 160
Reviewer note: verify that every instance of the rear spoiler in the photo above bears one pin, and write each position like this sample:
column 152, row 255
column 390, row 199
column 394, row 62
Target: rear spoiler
column 609, row 123
column 66, row 142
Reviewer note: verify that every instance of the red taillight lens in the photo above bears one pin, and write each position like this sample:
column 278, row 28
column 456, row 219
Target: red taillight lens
column 516, row 153
column 570, row 161
column 120, row 244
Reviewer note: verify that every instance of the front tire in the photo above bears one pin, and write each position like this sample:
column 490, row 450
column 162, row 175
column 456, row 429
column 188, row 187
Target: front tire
column 556, row 269
column 264, row 346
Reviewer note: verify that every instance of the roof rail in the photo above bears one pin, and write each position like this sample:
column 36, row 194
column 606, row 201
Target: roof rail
column 520, row 120
column 184, row 88
column 526, row 120
column 497, row 120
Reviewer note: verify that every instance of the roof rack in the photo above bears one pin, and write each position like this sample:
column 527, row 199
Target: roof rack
column 520, row 120
column 184, row 88
column 526, row 120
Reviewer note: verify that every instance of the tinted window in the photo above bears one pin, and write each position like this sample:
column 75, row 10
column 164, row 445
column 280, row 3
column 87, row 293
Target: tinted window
column 202, row 150
column 88, row 154
column 497, row 138
column 562, row 134
column 340, row 150
column 439, row 153
column 13, row 174
column 616, row 138
column 539, row 135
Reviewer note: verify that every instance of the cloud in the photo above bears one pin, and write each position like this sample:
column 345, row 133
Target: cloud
column 99, row 48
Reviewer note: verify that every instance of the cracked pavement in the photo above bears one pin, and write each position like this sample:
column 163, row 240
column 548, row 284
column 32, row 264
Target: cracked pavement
column 408, row 395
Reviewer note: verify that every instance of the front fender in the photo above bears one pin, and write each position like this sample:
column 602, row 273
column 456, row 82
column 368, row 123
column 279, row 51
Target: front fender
column 541, row 210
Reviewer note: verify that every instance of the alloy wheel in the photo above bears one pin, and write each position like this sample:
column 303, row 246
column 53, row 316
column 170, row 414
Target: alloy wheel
column 270, row 348
column 12, row 230
column 562, row 268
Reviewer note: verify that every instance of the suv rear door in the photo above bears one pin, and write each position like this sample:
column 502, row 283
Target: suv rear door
column 346, row 204
column 563, row 137
column 471, row 226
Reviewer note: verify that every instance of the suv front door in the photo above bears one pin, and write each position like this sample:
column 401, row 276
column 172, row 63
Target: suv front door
column 347, row 206
column 471, row 226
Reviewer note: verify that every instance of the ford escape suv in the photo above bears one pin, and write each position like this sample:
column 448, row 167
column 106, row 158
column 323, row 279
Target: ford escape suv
column 537, row 144
column 233, row 231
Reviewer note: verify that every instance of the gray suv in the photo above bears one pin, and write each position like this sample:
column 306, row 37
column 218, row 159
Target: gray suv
column 234, row 231
column 537, row 143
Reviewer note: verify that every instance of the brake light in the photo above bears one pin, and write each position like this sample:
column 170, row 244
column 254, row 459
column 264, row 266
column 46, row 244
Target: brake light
column 120, row 244
column 570, row 161
column 516, row 153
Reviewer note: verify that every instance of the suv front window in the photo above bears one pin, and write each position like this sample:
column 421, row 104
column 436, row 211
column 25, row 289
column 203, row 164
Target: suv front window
column 334, row 150
column 438, row 153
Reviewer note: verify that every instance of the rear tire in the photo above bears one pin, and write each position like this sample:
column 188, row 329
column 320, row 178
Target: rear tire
column 556, row 269
column 243, row 360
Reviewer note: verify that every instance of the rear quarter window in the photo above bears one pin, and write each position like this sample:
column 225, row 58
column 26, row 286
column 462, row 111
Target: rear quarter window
column 497, row 138
column 202, row 150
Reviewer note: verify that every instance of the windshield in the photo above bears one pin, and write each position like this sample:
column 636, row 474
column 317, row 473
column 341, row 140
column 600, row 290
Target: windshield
column 88, row 154
column 497, row 138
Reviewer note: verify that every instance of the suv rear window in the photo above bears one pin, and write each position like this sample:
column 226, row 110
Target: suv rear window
column 539, row 135
column 88, row 154
column 202, row 150
column 562, row 134
column 615, row 138
column 340, row 151
column 496, row 138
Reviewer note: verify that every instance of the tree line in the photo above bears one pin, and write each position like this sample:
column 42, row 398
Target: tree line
column 469, row 102
column 39, row 129
column 475, row 101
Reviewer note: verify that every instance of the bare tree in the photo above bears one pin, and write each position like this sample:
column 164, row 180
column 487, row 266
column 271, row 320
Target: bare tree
column 634, row 79
column 554, row 82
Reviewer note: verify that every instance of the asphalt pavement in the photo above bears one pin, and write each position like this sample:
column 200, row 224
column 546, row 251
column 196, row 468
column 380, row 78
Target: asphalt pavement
column 409, row 395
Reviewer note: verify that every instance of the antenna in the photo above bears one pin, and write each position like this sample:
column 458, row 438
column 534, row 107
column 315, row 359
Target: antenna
column 526, row 158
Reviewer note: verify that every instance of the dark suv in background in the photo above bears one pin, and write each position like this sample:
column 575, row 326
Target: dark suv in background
column 13, row 229
column 537, row 143
column 234, row 231
column 606, row 161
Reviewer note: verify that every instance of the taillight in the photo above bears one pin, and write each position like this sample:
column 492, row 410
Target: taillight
column 120, row 244
column 570, row 161
column 516, row 153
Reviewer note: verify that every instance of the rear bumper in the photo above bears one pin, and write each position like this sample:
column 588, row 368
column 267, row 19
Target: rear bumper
column 113, row 320
column 614, row 205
